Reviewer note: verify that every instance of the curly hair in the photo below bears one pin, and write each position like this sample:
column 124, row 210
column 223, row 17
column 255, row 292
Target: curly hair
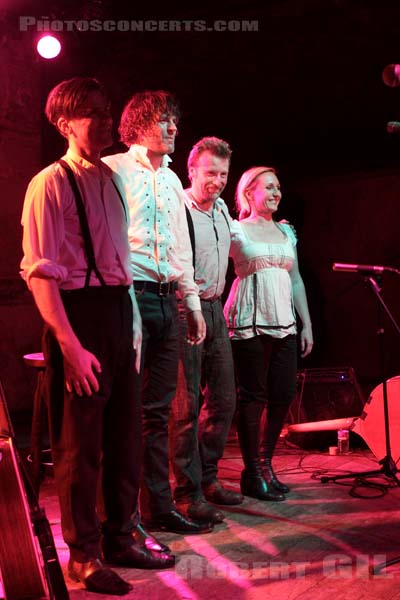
column 143, row 111
column 66, row 98
column 246, row 182
column 214, row 145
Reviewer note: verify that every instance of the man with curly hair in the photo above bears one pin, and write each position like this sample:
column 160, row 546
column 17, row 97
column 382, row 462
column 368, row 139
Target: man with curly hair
column 161, row 258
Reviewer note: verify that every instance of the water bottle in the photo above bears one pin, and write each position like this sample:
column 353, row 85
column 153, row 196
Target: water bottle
column 343, row 441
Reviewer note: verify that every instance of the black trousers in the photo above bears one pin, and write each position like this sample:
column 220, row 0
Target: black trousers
column 266, row 375
column 102, row 430
column 160, row 355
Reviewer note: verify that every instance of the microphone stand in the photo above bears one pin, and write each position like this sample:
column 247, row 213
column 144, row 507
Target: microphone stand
column 388, row 467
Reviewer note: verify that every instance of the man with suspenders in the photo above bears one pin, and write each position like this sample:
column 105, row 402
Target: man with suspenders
column 198, row 433
column 77, row 265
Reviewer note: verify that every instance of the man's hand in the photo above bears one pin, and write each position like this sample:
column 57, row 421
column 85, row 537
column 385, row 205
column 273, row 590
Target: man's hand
column 137, row 340
column 136, row 328
column 196, row 328
column 80, row 367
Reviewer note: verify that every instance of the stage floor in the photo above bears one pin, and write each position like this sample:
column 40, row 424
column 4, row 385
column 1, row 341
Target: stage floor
column 318, row 544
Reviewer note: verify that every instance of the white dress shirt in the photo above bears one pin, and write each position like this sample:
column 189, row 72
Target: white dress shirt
column 158, row 232
column 52, row 239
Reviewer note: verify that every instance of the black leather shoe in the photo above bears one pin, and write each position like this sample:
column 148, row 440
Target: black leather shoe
column 201, row 511
column 219, row 495
column 146, row 540
column 136, row 556
column 271, row 478
column 175, row 522
column 98, row 578
column 255, row 486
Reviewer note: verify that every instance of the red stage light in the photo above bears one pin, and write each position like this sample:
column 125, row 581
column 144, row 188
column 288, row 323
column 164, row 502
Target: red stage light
column 391, row 75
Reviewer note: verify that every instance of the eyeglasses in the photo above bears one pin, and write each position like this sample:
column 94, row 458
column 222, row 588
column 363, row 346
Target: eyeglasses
column 93, row 113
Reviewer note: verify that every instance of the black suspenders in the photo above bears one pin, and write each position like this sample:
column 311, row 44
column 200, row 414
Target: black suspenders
column 191, row 231
column 191, row 234
column 87, row 239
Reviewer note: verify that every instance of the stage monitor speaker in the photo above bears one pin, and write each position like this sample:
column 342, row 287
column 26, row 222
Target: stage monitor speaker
column 324, row 394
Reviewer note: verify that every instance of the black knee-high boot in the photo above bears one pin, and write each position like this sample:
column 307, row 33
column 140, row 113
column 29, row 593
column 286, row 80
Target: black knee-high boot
column 273, row 427
column 252, row 482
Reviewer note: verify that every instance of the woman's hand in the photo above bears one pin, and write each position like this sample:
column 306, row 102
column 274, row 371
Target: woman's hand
column 306, row 341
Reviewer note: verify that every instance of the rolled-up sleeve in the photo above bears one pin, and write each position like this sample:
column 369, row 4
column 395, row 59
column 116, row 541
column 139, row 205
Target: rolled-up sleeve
column 43, row 228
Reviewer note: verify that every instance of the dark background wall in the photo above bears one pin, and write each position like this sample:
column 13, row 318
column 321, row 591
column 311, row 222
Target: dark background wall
column 20, row 157
column 304, row 93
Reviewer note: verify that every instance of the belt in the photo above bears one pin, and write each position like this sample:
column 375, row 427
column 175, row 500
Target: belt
column 161, row 288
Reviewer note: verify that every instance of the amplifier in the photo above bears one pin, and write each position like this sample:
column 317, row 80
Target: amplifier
column 324, row 394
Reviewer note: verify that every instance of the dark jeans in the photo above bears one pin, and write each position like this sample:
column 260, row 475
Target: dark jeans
column 266, row 376
column 101, row 430
column 160, row 355
column 198, row 433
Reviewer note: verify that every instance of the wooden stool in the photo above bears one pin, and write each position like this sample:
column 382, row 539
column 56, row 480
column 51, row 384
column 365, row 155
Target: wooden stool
column 39, row 420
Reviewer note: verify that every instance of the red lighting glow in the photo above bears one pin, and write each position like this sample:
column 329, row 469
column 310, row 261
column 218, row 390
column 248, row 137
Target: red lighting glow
column 48, row 47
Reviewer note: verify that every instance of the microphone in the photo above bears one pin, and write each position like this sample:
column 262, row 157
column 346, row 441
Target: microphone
column 393, row 127
column 366, row 269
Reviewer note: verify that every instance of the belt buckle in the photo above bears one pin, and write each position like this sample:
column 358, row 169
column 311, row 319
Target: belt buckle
column 139, row 291
column 163, row 285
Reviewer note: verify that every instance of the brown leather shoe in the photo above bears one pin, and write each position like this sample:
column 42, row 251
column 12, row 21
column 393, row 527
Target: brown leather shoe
column 202, row 512
column 219, row 495
column 98, row 578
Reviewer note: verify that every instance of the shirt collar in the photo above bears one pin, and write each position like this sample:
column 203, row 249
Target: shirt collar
column 140, row 153
column 100, row 170
column 190, row 202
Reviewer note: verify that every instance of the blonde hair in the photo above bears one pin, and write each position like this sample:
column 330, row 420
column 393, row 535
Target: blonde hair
column 246, row 182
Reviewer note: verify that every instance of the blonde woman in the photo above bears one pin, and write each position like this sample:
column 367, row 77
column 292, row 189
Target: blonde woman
column 261, row 318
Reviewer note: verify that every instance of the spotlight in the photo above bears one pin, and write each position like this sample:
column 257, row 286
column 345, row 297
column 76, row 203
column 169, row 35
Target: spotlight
column 391, row 75
column 48, row 46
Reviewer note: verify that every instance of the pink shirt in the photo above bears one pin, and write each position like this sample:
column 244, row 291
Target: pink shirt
column 52, row 241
